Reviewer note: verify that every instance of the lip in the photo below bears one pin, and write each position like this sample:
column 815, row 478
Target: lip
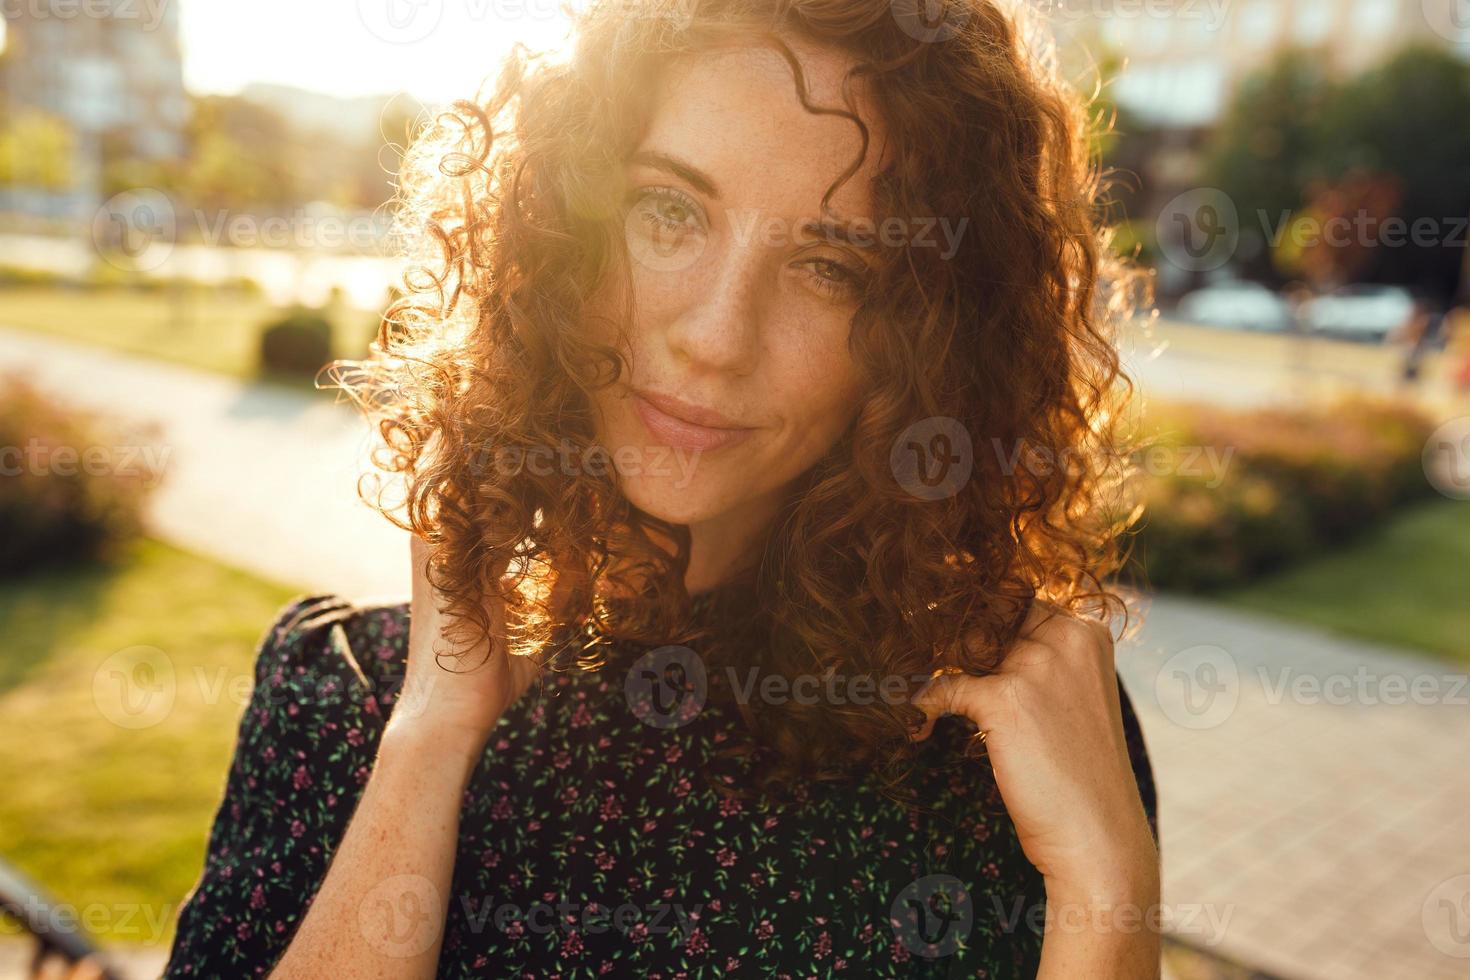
column 680, row 425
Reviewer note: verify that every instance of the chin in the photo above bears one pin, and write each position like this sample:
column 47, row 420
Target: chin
column 677, row 499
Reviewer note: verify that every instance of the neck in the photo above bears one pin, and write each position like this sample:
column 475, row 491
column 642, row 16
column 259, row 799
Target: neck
column 722, row 546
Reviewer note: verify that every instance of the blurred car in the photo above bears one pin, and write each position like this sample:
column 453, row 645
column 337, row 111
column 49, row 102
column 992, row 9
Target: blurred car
column 1360, row 312
column 1235, row 306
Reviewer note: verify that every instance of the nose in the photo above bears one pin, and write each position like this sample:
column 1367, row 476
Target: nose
column 718, row 327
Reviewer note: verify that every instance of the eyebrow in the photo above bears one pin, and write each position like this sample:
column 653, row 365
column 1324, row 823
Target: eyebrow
column 685, row 171
column 832, row 228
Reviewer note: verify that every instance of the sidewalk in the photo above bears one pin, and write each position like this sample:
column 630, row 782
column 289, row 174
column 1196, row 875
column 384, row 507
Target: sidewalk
column 1315, row 819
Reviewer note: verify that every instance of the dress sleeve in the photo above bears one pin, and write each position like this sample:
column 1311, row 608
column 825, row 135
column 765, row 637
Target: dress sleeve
column 1138, row 755
column 302, row 757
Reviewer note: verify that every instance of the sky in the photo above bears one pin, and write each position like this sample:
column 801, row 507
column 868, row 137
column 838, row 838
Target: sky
column 434, row 49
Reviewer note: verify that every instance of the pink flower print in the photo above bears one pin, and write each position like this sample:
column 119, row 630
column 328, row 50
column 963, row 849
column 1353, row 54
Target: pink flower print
column 605, row 861
column 257, row 897
column 297, row 828
column 764, row 930
column 697, row 943
column 726, row 857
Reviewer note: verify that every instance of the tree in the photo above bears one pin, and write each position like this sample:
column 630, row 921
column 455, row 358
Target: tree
column 36, row 152
column 1408, row 121
column 1267, row 149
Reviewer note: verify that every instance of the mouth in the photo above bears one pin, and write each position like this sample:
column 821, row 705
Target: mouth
column 680, row 425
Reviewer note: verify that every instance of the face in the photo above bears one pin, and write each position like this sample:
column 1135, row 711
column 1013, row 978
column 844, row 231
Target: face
column 740, row 376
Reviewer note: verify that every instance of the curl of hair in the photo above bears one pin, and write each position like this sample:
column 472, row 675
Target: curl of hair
column 510, row 209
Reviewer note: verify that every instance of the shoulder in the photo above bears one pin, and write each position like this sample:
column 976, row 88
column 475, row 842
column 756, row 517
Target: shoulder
column 324, row 645
column 947, row 752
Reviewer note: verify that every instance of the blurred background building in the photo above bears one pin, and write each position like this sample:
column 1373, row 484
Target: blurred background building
column 109, row 88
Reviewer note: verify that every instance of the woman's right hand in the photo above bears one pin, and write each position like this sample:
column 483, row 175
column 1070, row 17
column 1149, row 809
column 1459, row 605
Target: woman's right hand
column 455, row 697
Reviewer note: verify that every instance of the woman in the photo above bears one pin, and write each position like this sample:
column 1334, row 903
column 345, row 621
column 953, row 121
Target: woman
column 753, row 403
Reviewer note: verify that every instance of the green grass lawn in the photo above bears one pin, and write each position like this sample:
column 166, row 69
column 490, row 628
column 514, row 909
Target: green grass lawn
column 100, row 813
column 1401, row 584
column 213, row 329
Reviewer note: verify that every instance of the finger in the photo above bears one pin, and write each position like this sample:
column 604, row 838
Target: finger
column 88, row 969
column 51, row 967
column 949, row 694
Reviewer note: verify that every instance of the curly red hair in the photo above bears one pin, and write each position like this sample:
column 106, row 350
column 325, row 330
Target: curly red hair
column 511, row 208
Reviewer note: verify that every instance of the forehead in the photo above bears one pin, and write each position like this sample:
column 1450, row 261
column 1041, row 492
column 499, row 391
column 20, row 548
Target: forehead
column 734, row 113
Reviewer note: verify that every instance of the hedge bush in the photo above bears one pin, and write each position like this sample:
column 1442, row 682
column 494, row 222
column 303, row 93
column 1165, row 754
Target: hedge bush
column 298, row 343
column 1295, row 481
column 71, row 488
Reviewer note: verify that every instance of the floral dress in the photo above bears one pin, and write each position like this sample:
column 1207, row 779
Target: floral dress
column 592, row 841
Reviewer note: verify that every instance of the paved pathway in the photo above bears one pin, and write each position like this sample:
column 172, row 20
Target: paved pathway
column 1315, row 815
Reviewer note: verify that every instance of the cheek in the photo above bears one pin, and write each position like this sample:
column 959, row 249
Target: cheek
column 819, row 392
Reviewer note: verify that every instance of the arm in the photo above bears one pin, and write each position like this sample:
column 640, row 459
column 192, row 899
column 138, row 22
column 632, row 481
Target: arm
column 1062, row 764
column 380, row 910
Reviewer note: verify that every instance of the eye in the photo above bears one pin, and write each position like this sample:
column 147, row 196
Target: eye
column 837, row 280
column 665, row 209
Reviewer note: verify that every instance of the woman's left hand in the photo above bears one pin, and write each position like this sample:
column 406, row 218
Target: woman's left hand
column 1055, row 739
